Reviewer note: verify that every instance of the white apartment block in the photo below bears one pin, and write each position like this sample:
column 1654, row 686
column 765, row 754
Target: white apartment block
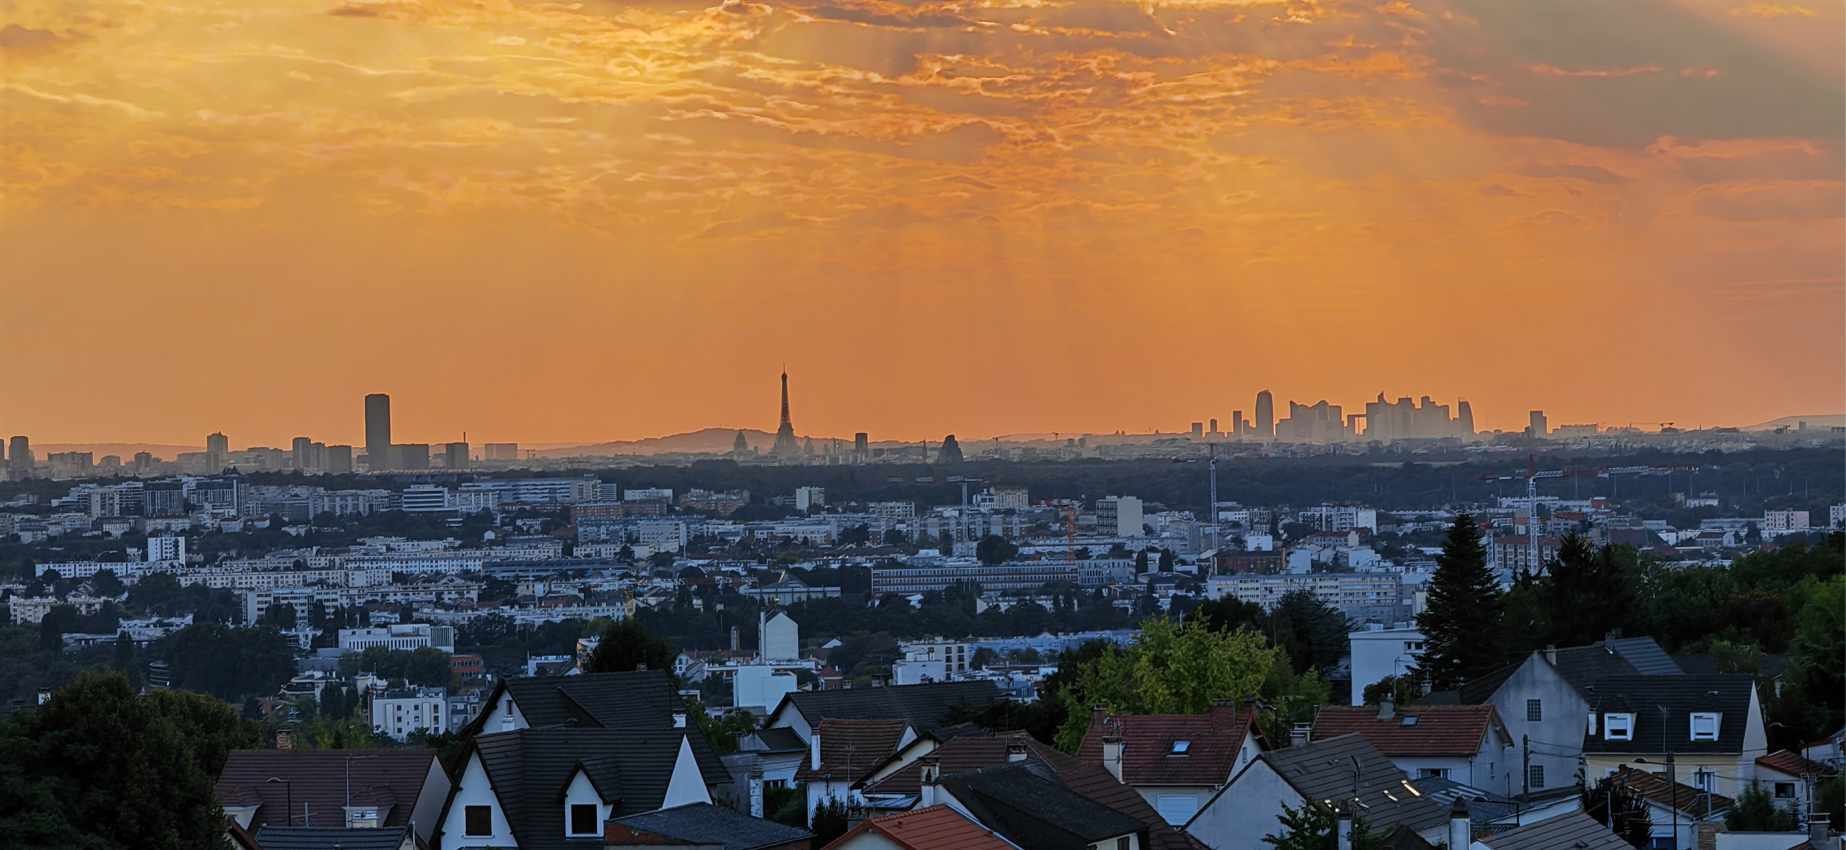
column 1341, row 590
column 400, row 712
column 402, row 636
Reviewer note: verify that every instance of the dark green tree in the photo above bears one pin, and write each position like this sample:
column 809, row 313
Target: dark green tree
column 627, row 645
column 1463, row 623
column 1588, row 591
column 1312, row 827
column 1755, row 811
column 1141, row 561
column 829, row 821
column 1623, row 808
column 994, row 550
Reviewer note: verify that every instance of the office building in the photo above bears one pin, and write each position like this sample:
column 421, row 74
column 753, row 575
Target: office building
column 1539, row 427
column 339, row 459
column 410, row 456
column 1119, row 515
column 378, row 431
column 217, row 452
column 861, row 443
column 1265, row 415
column 1237, row 423
column 19, row 457
column 500, row 451
column 455, row 456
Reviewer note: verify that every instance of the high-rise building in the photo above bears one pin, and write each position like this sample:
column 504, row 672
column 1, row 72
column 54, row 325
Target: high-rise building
column 301, row 454
column 500, row 451
column 411, row 456
column 455, row 456
column 861, row 442
column 1265, row 415
column 340, row 459
column 1464, row 418
column 1198, row 430
column 217, row 452
column 1539, row 427
column 786, row 446
column 1237, row 428
column 378, row 431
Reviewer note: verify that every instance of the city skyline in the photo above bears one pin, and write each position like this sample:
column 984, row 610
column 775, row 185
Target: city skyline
column 1083, row 217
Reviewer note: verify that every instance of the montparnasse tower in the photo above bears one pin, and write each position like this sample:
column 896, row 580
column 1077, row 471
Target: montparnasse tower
column 786, row 447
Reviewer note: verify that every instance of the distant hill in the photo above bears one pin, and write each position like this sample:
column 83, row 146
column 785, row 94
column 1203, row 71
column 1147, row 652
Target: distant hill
column 703, row 441
column 1828, row 420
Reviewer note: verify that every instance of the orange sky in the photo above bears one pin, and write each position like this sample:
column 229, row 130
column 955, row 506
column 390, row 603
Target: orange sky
column 608, row 220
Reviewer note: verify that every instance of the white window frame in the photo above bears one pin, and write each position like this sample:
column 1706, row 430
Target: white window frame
column 1705, row 717
column 1613, row 719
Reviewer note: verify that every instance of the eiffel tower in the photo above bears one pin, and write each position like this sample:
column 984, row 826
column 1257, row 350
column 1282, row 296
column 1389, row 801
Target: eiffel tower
column 786, row 447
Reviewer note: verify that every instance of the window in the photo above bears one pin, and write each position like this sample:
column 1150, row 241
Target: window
column 479, row 820
column 1432, row 773
column 1535, row 776
column 1123, row 843
column 1784, row 790
column 1181, row 747
column 1535, row 710
column 583, row 819
column 1618, row 727
column 1704, row 726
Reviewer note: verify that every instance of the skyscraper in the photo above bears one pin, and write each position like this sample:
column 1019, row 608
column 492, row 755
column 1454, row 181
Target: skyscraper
column 19, row 459
column 455, row 456
column 217, row 452
column 786, row 447
column 1539, row 427
column 301, row 454
column 378, row 431
column 1265, row 415
column 1464, row 418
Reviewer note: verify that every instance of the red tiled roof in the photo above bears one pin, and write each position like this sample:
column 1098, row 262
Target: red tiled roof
column 1437, row 730
column 1792, row 764
column 1694, row 801
column 1148, row 756
column 850, row 749
column 934, row 828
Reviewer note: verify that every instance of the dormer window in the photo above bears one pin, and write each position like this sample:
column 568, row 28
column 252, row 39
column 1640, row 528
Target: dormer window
column 1704, row 726
column 1617, row 727
column 583, row 819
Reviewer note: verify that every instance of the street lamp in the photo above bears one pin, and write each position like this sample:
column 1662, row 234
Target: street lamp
column 289, row 810
column 1672, row 783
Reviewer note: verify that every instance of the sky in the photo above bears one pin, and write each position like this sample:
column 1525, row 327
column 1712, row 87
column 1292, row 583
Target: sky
column 607, row 220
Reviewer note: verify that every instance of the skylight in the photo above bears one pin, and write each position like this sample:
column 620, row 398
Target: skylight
column 1180, row 747
column 1409, row 720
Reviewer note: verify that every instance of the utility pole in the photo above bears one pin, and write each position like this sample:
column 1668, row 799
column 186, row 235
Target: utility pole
column 1525, row 772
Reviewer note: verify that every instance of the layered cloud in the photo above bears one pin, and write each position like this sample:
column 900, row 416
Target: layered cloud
column 1260, row 190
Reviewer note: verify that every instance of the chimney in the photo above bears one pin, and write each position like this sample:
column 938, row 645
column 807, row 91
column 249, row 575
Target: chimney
column 926, row 781
column 1818, row 831
column 1388, row 708
column 1459, row 833
column 756, row 792
column 1112, row 756
column 1015, row 749
column 1298, row 737
column 1342, row 829
column 679, row 719
column 1551, row 654
column 814, row 751
column 1098, row 714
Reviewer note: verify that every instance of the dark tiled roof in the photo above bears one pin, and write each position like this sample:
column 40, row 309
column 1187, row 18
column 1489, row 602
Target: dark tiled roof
column 706, row 824
column 1793, row 764
column 1644, row 654
column 1656, row 731
column 933, row 828
column 1024, row 802
column 1404, row 838
column 317, row 779
column 1414, row 730
column 956, row 755
column 1655, row 787
column 530, row 769
column 849, row 749
column 321, row 838
column 1148, row 754
column 922, row 705
column 1581, row 666
column 780, row 740
column 638, row 700
column 1324, row 771
column 1573, row 831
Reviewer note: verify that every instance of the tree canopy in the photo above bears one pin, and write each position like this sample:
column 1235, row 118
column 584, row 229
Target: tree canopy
column 1463, row 624
column 628, row 645
column 1168, row 669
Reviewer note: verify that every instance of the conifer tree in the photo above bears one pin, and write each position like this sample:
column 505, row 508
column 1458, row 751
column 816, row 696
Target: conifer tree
column 1463, row 625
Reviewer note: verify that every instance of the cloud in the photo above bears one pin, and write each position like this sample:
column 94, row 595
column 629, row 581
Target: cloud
column 1771, row 10
column 1592, row 173
column 1543, row 69
column 1771, row 201
column 18, row 39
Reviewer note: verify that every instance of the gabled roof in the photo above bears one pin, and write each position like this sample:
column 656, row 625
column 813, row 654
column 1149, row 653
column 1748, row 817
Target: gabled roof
column 956, row 755
column 324, row 838
column 1150, row 757
column 531, row 769
column 933, row 828
column 1573, row 831
column 1413, row 730
column 636, row 700
column 849, row 749
column 317, row 780
column 1693, row 801
column 923, row 706
column 1349, row 767
column 1791, row 763
column 706, row 824
column 1663, row 706
column 1025, row 802
column 1644, row 654
column 777, row 740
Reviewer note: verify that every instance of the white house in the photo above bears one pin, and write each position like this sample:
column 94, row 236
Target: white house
column 1322, row 773
column 1378, row 652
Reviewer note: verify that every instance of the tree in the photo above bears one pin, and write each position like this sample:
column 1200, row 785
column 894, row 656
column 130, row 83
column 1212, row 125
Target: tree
column 829, row 821
column 1169, row 669
column 1462, row 625
column 1401, row 689
column 1141, row 562
column 627, row 645
column 106, row 583
column 226, row 662
column 1589, row 591
column 99, row 767
column 994, row 550
column 1755, row 811
column 1166, row 560
column 1312, row 827
column 1621, row 808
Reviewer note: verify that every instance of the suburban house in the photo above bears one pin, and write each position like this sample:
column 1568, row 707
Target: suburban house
column 938, row 827
column 897, row 783
column 1546, row 698
column 1175, row 761
column 1791, row 778
column 777, row 753
column 558, row 787
column 842, row 751
column 334, row 789
column 1025, row 803
column 635, row 701
column 1466, row 743
column 1673, row 808
column 702, row 825
column 1709, row 729
column 1336, row 771
column 922, row 706
column 1574, row 831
